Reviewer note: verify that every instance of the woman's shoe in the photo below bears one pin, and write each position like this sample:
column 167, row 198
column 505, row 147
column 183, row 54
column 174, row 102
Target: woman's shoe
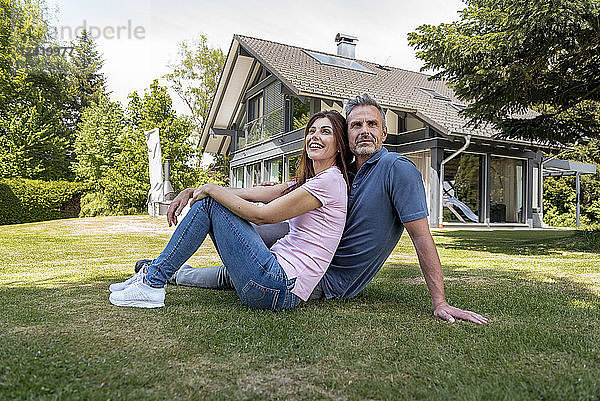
column 139, row 295
column 131, row 280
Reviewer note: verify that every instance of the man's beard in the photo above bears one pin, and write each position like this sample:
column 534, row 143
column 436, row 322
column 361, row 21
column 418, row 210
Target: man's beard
column 366, row 149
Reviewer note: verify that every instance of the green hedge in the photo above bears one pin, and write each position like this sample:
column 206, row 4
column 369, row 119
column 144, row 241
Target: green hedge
column 25, row 201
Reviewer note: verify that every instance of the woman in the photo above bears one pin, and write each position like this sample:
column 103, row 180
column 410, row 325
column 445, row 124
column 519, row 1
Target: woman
column 314, row 202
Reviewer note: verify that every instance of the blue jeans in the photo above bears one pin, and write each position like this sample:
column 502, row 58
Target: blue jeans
column 216, row 277
column 257, row 277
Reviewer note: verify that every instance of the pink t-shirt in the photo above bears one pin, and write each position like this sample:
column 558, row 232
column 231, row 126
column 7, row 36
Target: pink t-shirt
column 307, row 250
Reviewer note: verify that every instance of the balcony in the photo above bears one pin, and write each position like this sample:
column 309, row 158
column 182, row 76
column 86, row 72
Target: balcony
column 262, row 128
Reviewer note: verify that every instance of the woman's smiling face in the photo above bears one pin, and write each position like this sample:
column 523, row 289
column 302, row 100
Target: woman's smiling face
column 320, row 142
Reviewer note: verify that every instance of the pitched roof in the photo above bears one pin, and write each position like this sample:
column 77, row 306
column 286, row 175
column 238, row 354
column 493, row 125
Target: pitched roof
column 390, row 86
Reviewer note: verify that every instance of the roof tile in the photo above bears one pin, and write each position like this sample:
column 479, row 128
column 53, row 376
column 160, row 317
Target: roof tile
column 390, row 86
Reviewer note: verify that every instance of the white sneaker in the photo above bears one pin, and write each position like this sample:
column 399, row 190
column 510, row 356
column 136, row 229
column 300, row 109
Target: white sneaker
column 139, row 295
column 131, row 280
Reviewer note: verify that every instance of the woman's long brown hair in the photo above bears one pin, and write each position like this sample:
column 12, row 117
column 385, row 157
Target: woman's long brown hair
column 305, row 168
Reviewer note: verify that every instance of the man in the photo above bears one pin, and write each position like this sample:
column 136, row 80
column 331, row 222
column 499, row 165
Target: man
column 386, row 196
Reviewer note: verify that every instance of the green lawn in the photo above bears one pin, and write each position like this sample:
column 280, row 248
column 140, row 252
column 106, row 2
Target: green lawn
column 61, row 339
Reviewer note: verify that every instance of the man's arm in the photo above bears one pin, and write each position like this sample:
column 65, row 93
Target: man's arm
column 432, row 271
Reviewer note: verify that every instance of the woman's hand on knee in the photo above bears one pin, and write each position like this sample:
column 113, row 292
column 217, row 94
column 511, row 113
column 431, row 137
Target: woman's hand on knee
column 202, row 192
column 177, row 205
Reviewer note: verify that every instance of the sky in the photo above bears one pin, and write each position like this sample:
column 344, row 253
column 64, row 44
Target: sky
column 149, row 31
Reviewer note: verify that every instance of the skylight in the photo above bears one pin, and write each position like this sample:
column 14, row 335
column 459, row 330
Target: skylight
column 434, row 94
column 458, row 107
column 338, row 61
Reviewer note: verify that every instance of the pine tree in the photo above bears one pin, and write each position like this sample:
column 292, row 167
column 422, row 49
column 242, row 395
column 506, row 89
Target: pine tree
column 89, row 84
column 503, row 57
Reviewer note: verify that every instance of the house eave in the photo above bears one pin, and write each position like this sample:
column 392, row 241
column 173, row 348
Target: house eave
column 507, row 142
column 268, row 66
column 208, row 123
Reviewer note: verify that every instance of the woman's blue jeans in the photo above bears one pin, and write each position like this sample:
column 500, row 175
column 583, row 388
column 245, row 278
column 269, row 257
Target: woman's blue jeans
column 257, row 277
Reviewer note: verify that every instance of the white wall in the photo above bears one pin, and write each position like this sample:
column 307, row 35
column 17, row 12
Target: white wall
column 412, row 123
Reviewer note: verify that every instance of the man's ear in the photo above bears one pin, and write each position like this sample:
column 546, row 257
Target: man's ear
column 384, row 134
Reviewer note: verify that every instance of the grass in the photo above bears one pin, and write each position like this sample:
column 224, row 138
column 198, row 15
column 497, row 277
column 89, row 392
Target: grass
column 61, row 339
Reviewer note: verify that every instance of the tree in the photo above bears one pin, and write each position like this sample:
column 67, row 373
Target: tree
column 89, row 84
column 505, row 56
column 219, row 168
column 112, row 152
column 195, row 76
column 99, row 140
column 155, row 110
column 34, row 140
column 559, row 192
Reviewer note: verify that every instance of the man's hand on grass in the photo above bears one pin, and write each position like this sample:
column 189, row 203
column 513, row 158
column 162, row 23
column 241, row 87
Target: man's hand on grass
column 450, row 313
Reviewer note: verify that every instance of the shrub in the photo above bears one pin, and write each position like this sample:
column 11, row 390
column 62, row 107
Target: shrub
column 94, row 204
column 586, row 239
column 24, row 201
column 10, row 206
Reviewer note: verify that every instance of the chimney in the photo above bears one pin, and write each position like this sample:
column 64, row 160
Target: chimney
column 346, row 44
column 167, row 187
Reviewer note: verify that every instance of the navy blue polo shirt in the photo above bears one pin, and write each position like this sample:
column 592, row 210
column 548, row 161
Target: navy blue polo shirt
column 386, row 192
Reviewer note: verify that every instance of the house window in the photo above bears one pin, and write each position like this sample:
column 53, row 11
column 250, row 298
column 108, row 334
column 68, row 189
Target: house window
column 265, row 114
column 274, row 110
column 274, row 170
column 458, row 107
column 254, row 127
column 253, row 175
column 238, row 177
column 462, row 189
column 338, row 61
column 256, row 107
column 506, row 190
column 292, row 164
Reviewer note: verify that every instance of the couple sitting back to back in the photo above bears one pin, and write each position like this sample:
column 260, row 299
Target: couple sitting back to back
column 342, row 226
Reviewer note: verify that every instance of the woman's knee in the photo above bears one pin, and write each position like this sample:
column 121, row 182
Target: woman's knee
column 201, row 203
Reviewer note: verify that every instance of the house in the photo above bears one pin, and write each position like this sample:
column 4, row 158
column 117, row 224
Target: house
column 267, row 91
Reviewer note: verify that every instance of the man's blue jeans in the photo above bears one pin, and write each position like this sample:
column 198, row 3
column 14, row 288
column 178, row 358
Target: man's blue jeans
column 257, row 277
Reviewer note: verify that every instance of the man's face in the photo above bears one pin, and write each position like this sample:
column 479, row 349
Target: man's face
column 365, row 131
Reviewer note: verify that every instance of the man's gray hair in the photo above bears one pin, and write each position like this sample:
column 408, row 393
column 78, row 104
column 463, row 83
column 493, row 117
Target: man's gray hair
column 364, row 100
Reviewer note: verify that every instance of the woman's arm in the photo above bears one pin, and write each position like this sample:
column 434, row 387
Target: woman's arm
column 293, row 204
column 264, row 194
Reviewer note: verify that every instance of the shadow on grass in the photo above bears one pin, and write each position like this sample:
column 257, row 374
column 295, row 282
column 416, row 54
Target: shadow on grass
column 396, row 288
column 491, row 292
column 519, row 242
column 69, row 342
column 67, row 280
